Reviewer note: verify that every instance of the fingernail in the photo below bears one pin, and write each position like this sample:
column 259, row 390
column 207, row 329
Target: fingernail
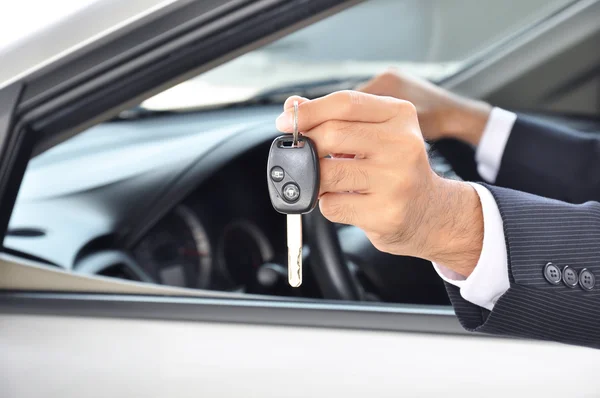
column 284, row 122
column 289, row 103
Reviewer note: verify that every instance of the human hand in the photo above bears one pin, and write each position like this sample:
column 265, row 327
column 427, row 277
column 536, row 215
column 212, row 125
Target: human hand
column 441, row 113
column 384, row 184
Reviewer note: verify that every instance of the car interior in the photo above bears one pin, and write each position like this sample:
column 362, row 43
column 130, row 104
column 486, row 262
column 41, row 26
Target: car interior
column 173, row 192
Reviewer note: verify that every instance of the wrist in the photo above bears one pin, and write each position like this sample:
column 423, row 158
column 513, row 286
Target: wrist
column 457, row 239
column 466, row 119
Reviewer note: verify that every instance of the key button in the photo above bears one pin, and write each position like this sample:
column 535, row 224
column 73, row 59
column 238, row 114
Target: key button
column 552, row 274
column 291, row 192
column 277, row 174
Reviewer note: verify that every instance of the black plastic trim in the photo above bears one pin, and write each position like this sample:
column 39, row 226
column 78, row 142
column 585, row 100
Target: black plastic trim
column 326, row 314
column 15, row 149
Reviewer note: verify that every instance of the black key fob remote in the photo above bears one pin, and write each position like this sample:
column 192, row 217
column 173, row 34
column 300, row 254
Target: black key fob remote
column 293, row 175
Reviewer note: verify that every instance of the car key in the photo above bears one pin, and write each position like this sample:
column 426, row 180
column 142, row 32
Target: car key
column 293, row 180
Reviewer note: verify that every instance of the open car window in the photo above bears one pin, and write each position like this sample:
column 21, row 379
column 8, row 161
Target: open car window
column 179, row 199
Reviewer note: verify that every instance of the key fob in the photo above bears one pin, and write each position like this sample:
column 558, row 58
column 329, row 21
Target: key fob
column 293, row 175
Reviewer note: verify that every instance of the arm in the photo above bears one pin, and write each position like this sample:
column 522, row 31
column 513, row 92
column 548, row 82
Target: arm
column 524, row 232
column 552, row 161
column 526, row 154
column 539, row 231
column 383, row 184
column 443, row 114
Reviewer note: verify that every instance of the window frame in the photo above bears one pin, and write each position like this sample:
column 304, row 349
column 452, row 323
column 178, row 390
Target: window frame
column 58, row 103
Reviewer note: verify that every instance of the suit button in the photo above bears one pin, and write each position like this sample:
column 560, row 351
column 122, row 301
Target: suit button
column 552, row 274
column 587, row 280
column 570, row 277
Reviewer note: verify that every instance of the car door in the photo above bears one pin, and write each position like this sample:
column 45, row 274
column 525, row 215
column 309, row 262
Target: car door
column 66, row 335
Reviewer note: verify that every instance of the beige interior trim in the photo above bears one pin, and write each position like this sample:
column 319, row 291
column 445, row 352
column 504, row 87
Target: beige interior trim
column 26, row 275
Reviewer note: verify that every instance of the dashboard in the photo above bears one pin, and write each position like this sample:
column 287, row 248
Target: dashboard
column 182, row 200
column 221, row 235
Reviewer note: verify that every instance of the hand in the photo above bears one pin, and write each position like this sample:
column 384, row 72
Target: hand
column 441, row 113
column 383, row 184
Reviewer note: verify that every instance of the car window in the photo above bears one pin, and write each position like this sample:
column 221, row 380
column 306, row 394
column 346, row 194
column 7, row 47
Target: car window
column 180, row 198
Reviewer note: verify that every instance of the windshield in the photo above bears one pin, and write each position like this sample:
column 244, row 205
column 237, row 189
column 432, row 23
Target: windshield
column 433, row 39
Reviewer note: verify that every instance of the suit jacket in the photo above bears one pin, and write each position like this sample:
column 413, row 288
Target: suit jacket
column 560, row 170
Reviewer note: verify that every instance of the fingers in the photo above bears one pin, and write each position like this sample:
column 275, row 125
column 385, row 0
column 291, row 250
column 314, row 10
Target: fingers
column 289, row 103
column 345, row 175
column 343, row 208
column 348, row 138
column 352, row 106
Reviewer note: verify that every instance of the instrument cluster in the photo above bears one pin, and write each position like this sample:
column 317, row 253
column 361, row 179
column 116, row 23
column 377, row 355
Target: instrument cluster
column 178, row 251
column 224, row 236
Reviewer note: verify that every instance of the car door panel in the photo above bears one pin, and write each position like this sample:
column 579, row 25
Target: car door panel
column 66, row 357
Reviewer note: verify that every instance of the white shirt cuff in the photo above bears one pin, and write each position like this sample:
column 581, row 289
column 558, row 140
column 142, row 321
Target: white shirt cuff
column 489, row 279
column 493, row 141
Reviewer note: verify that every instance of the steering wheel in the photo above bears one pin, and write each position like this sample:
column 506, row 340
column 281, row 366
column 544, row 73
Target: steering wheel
column 327, row 259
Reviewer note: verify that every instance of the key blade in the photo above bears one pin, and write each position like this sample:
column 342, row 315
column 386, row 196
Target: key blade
column 295, row 266
column 294, row 244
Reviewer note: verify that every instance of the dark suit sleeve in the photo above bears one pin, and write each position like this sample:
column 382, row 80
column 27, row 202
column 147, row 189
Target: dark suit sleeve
column 537, row 231
column 551, row 160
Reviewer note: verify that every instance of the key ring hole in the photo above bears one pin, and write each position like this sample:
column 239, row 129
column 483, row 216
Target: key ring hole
column 289, row 143
column 296, row 135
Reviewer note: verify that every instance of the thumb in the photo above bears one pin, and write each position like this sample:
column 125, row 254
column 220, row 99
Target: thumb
column 290, row 101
